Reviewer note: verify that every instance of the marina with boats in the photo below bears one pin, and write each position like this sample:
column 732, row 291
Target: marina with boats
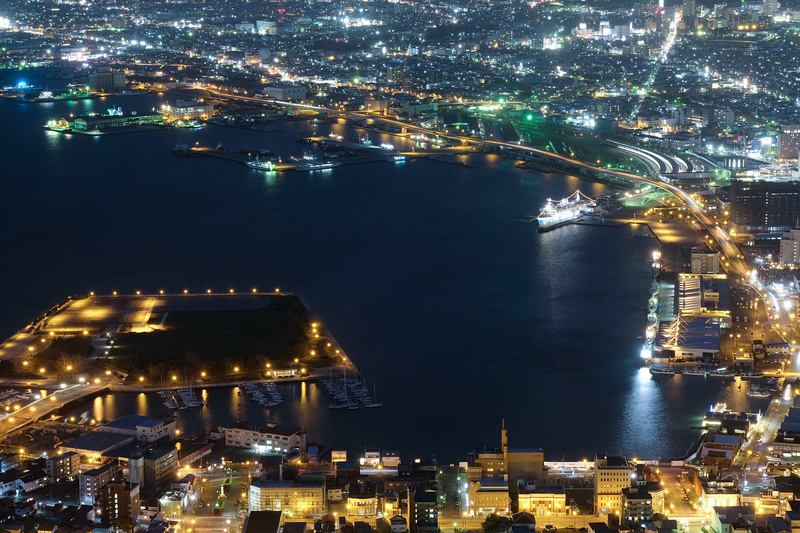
column 264, row 393
column 180, row 398
column 349, row 393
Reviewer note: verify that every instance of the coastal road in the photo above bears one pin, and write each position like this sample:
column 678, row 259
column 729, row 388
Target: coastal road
column 45, row 405
column 736, row 262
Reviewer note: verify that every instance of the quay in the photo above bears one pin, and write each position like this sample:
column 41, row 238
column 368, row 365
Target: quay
column 584, row 221
column 99, row 321
column 377, row 155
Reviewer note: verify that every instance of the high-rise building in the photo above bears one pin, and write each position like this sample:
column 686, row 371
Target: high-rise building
column 64, row 466
column 789, row 141
column 790, row 247
column 120, row 501
column 765, row 206
column 611, row 475
column 91, row 483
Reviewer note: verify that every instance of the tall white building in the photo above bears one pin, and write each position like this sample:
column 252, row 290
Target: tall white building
column 790, row 247
column 270, row 439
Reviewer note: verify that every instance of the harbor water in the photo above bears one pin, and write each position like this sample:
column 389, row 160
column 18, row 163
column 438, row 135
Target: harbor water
column 460, row 316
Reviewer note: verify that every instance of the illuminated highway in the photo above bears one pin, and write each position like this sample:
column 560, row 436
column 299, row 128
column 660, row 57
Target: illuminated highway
column 736, row 262
column 726, row 244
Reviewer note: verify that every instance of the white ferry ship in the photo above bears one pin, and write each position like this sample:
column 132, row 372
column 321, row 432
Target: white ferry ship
column 316, row 166
column 569, row 208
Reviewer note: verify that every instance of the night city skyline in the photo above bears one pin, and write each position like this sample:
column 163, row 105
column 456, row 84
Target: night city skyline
column 392, row 266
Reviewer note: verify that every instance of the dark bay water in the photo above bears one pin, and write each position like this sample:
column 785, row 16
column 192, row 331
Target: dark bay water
column 460, row 315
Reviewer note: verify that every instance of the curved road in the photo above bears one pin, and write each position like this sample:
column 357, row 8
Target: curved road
column 736, row 261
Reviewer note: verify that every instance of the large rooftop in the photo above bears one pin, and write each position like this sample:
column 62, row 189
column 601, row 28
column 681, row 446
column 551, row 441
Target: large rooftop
column 98, row 441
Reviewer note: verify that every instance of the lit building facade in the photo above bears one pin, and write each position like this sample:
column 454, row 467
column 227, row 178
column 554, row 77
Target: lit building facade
column 543, row 500
column 789, row 141
column 306, row 500
column 362, row 500
column 90, row 483
column 160, row 467
column 120, row 500
column 269, row 439
column 65, row 466
column 765, row 206
column 790, row 247
column 611, row 475
column 487, row 496
column 637, row 506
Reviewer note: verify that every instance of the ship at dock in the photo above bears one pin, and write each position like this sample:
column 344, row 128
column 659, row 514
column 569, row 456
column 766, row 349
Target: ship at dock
column 555, row 213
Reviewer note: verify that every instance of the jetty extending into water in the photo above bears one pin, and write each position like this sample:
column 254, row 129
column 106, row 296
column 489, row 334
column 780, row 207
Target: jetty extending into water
column 224, row 333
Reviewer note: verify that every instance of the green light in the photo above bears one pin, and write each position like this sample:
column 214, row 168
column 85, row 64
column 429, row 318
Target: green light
column 530, row 117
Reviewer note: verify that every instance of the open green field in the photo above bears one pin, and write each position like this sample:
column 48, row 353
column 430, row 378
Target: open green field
column 191, row 340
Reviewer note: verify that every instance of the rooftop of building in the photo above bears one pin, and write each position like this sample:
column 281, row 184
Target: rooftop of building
column 100, row 470
column 262, row 522
column 272, row 429
column 524, row 450
column 158, row 452
column 492, row 484
column 126, row 451
column 695, row 334
column 262, row 482
column 62, row 456
column 294, row 527
column 636, row 493
column 611, row 461
column 132, row 422
column 98, row 441
column 542, row 488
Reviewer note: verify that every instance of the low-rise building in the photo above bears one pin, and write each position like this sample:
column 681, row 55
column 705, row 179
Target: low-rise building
column 262, row 522
column 637, row 506
column 542, row 499
column 362, row 500
column 424, row 510
column 487, row 496
column 271, row 438
column 723, row 518
column 787, row 440
column 173, row 503
column 144, row 428
column 284, row 92
column 33, row 479
column 398, row 524
column 92, row 446
column 718, row 450
column 160, row 466
column 298, row 500
column 188, row 110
